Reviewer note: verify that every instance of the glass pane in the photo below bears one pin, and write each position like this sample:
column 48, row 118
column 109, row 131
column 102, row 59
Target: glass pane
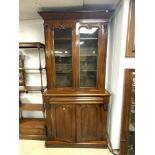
column 131, row 143
column 63, row 56
column 88, row 56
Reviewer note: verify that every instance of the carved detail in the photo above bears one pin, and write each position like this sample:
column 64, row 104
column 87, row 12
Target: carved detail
column 89, row 26
column 105, row 107
column 61, row 26
column 46, row 27
column 47, row 106
column 105, row 99
column 46, row 99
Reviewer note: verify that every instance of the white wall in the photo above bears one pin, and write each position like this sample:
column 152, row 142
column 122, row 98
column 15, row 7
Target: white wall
column 116, row 63
column 31, row 31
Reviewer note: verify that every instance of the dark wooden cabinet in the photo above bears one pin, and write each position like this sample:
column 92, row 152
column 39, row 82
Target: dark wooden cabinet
column 76, row 100
column 76, row 118
column 87, row 119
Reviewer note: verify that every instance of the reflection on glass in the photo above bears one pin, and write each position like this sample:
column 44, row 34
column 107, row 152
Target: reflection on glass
column 63, row 56
column 131, row 143
column 88, row 56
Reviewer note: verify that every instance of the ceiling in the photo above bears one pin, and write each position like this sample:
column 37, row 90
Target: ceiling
column 28, row 8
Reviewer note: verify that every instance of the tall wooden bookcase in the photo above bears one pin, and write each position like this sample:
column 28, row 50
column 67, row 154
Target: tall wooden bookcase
column 32, row 81
column 76, row 101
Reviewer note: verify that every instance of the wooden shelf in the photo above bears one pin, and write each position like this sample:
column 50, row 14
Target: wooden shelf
column 63, row 72
column 32, row 122
column 88, row 70
column 88, row 38
column 64, row 39
column 31, row 45
column 63, row 55
column 63, row 64
column 31, row 107
column 32, row 137
column 31, row 68
column 32, row 128
column 89, row 55
column 23, row 90
column 31, row 88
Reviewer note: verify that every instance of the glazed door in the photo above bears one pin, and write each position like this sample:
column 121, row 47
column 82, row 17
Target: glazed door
column 92, row 43
column 63, row 56
column 91, row 123
column 61, row 123
column 60, row 50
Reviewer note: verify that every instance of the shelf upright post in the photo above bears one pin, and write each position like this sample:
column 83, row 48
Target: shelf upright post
column 40, row 69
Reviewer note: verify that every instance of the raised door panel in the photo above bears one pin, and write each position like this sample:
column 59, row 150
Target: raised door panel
column 62, row 122
column 91, row 123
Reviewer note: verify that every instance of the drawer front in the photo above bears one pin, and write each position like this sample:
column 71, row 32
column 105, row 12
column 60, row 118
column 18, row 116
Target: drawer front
column 76, row 100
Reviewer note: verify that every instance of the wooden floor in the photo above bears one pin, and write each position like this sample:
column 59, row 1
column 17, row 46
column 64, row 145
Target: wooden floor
column 34, row 147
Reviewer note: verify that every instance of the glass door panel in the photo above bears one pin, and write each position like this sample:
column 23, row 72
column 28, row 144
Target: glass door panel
column 63, row 56
column 131, row 142
column 88, row 56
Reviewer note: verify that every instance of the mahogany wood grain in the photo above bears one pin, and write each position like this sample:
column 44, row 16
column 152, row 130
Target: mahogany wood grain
column 49, row 62
column 102, row 58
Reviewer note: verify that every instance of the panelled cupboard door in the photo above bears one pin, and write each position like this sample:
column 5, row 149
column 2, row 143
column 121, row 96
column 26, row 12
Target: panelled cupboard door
column 91, row 123
column 60, row 52
column 61, row 122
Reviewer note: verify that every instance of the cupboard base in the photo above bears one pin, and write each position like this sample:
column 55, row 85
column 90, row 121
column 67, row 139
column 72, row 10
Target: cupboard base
column 94, row 144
